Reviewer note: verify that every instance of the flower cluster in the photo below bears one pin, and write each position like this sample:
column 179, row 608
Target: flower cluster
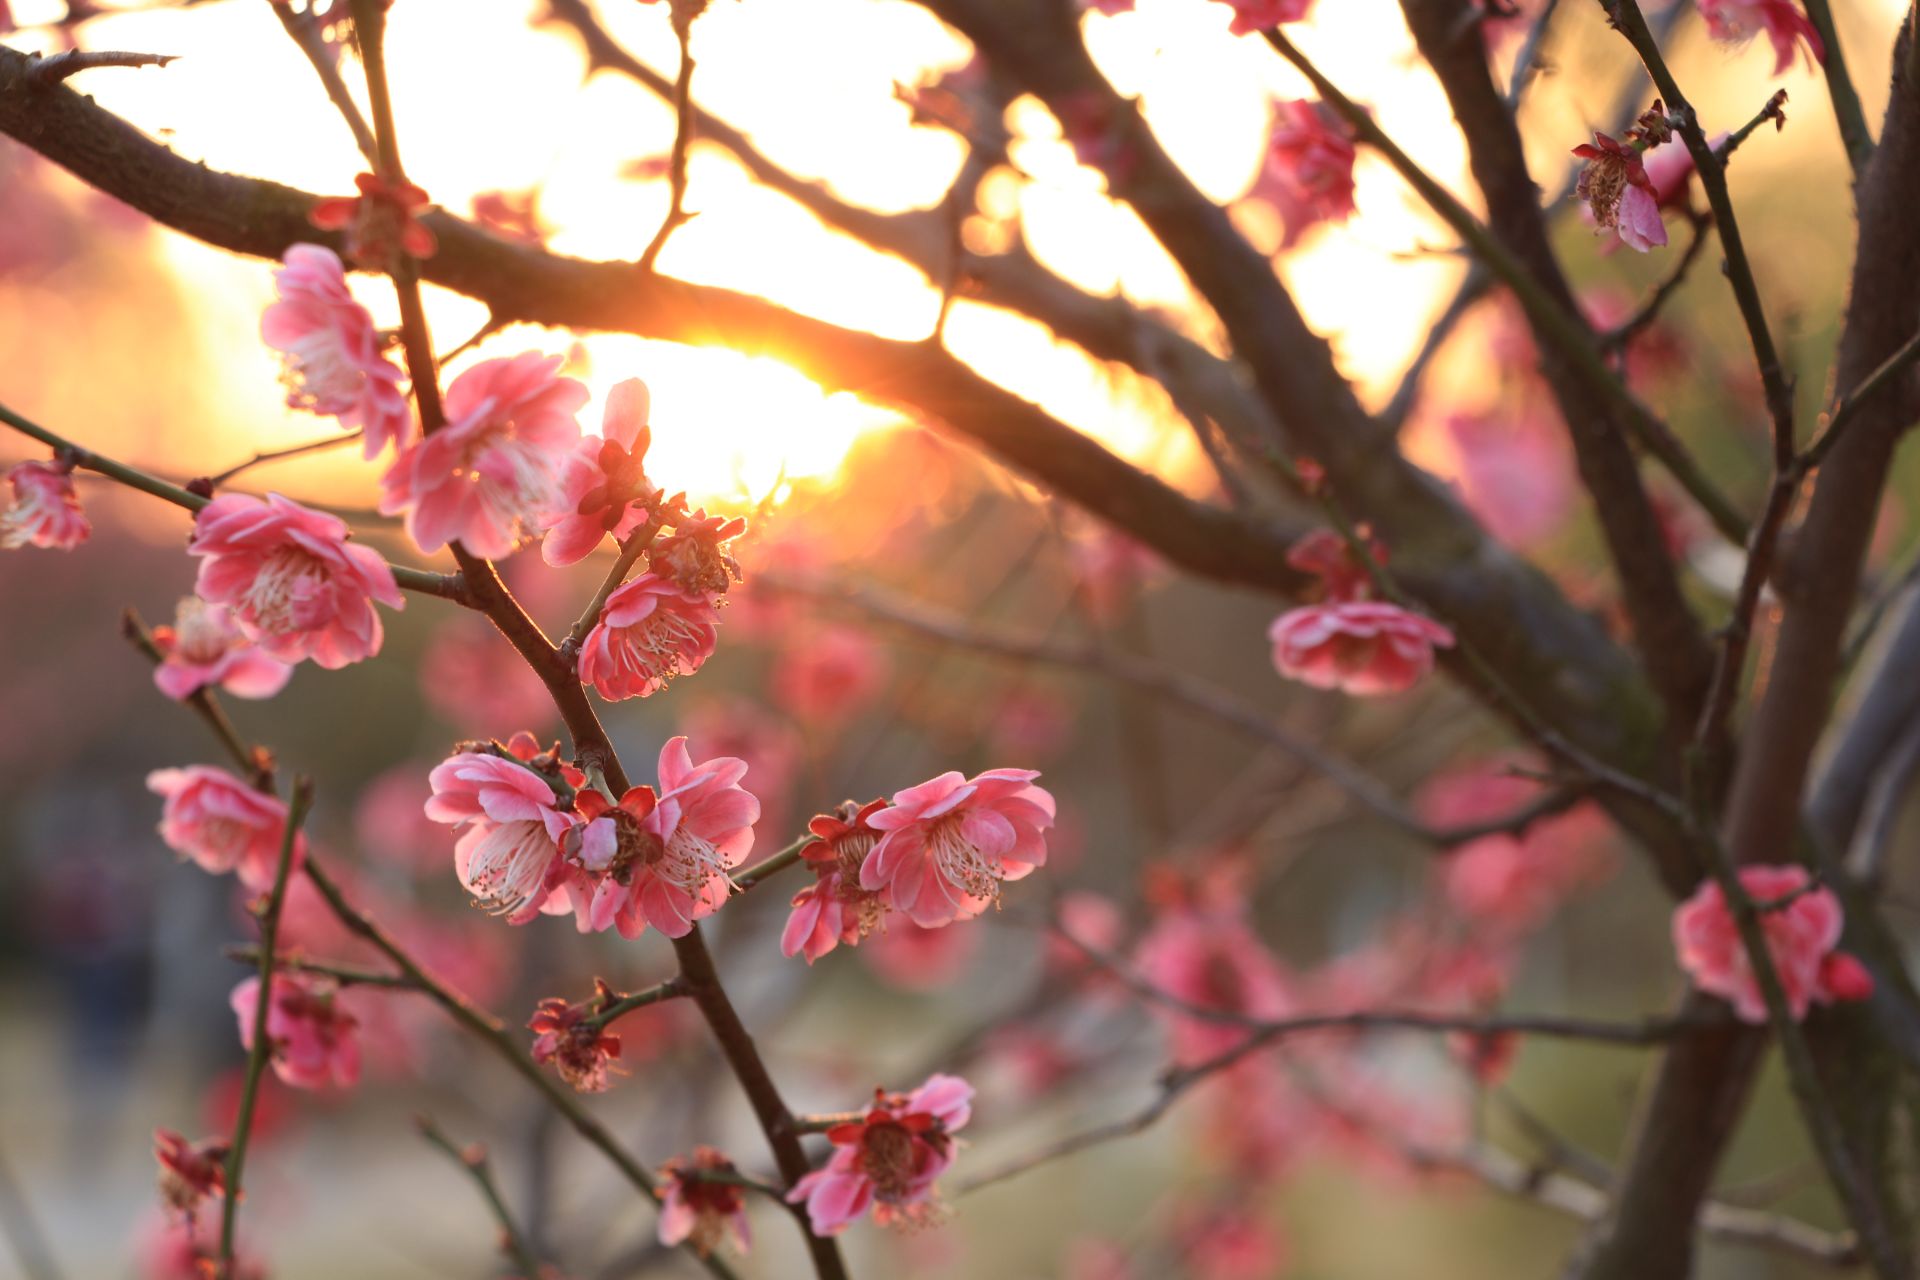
column 1349, row 641
column 569, row 1036
column 1802, row 923
column 312, row 1039
column 1307, row 176
column 889, row 1159
column 45, row 512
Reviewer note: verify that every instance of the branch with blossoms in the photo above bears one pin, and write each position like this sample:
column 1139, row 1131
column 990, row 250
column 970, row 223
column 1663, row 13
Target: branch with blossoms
column 1697, row 735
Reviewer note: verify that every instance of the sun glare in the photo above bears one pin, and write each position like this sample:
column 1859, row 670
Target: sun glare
column 728, row 429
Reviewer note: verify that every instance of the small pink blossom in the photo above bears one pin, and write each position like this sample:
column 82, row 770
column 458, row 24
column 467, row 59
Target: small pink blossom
column 1738, row 21
column 312, row 1040
column 1618, row 192
column 1343, row 574
column 951, row 842
column 223, row 824
column 603, row 482
column 492, row 474
column 1262, row 15
column 510, row 823
column 889, row 1160
column 1308, row 173
column 824, row 679
column 331, row 350
column 695, row 1208
column 580, row 1049
column 696, row 553
column 1362, row 647
column 651, row 630
column 835, row 908
column 297, row 587
column 663, row 860
column 381, row 222
column 1801, row 937
column 45, row 512
column 190, row 1172
column 205, row 647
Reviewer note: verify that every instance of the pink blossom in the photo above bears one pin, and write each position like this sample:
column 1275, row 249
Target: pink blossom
column 651, row 630
column 510, row 823
column 312, row 1039
column 1738, row 21
column 1362, row 647
column 190, row 1172
column 331, row 351
column 1262, row 15
column 297, row 587
column 949, row 843
column 603, row 482
column 1618, row 192
column 492, row 474
column 205, row 647
column 1308, row 173
column 1801, row 937
column 696, row 555
column 663, row 861
column 381, row 222
column 835, row 909
column 1515, row 473
column 45, row 512
column 1510, row 882
column 889, row 1160
column 1343, row 574
column 582, row 1050
column 824, row 679
column 223, row 824
column 1206, row 955
column 696, row 1208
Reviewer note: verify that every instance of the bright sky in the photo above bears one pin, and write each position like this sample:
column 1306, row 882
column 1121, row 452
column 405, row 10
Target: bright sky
column 486, row 103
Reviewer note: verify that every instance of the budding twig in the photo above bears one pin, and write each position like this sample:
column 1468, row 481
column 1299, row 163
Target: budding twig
column 262, row 1049
column 49, row 71
column 473, row 1159
column 274, row 455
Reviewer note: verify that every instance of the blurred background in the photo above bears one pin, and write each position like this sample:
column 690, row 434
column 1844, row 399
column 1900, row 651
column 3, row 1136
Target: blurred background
column 142, row 344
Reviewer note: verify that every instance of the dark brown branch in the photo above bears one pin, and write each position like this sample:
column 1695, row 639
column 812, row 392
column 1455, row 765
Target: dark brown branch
column 677, row 216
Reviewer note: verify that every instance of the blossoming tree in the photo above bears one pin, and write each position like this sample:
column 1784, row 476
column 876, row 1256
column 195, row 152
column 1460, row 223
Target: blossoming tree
column 1691, row 691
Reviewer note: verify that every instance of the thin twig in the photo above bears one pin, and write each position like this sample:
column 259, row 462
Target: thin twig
column 1847, row 111
column 257, row 767
column 1567, row 334
column 673, row 988
column 305, row 31
column 274, row 455
column 263, row 1046
column 341, row 974
column 682, row 139
column 52, row 70
column 1178, row 687
column 772, row 866
column 1901, row 360
column 446, row 586
column 473, row 1159
column 1616, row 339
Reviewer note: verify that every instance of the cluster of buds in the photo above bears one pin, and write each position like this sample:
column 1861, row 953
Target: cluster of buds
column 381, row 222
column 571, row 1037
